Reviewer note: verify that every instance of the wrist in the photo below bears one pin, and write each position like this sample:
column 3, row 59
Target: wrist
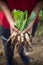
column 12, row 23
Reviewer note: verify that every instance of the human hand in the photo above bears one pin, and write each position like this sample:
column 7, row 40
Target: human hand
column 13, row 28
column 29, row 27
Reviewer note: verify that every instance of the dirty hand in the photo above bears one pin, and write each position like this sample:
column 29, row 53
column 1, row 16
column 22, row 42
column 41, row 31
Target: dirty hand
column 13, row 28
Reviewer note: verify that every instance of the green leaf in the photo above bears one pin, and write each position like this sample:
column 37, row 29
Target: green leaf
column 22, row 19
column 41, row 15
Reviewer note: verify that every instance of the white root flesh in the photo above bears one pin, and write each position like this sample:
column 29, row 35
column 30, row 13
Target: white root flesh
column 22, row 34
column 30, row 44
column 27, row 37
column 12, row 41
column 22, row 38
column 13, row 35
column 18, row 38
column 16, row 48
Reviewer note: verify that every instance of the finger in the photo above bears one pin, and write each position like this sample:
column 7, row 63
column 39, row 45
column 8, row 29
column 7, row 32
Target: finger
column 16, row 30
column 13, row 34
column 12, row 30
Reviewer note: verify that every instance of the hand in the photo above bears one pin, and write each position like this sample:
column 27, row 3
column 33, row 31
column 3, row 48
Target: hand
column 13, row 28
column 29, row 27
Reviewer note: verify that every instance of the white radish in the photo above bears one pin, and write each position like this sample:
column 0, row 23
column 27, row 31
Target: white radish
column 22, row 38
column 27, row 37
column 19, row 38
